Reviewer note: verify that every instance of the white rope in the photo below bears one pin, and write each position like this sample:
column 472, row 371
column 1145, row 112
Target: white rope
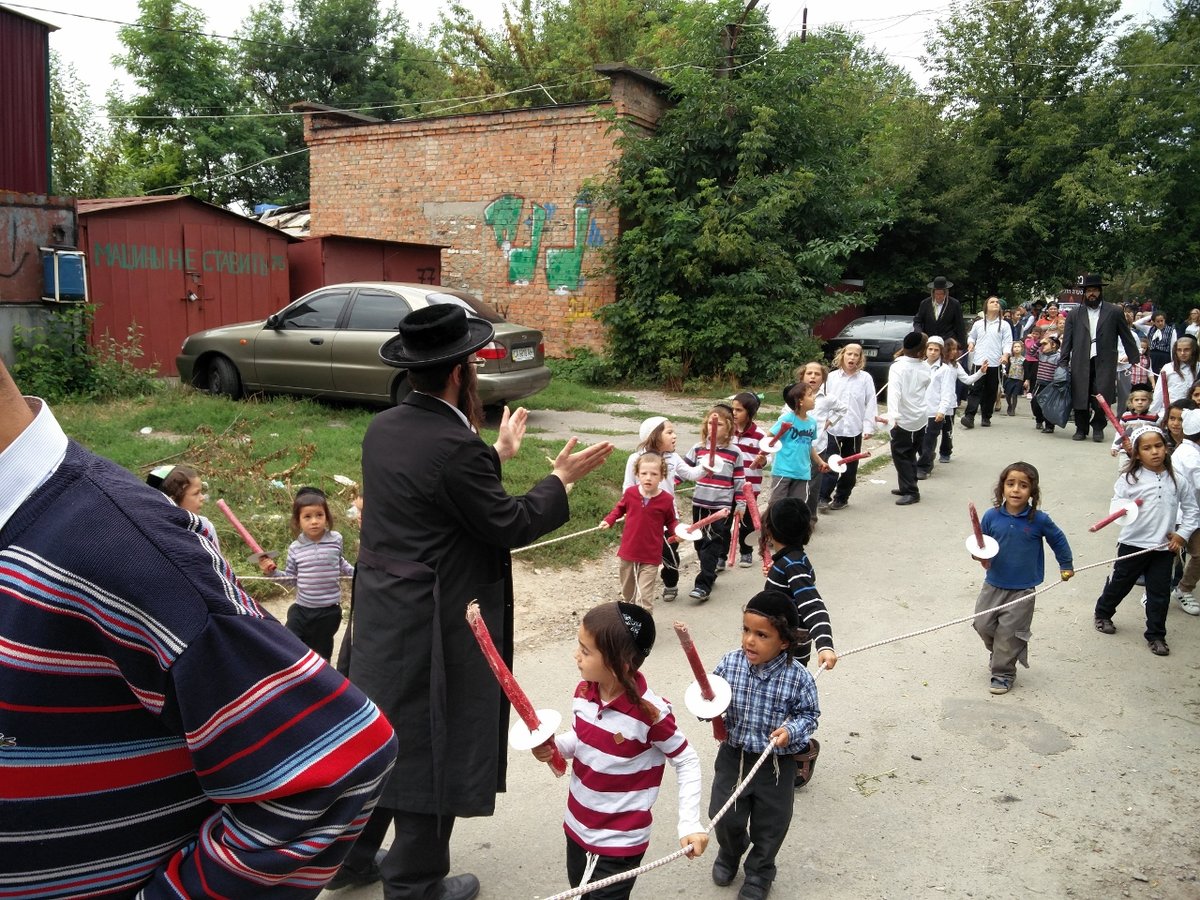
column 561, row 537
column 682, row 851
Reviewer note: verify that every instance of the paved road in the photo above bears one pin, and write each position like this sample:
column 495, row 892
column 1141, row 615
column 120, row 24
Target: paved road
column 1082, row 782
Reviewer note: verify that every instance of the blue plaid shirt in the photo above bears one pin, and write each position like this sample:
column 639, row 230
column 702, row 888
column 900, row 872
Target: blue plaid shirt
column 779, row 692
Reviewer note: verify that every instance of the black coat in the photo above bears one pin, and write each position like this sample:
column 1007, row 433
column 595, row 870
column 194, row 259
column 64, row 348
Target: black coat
column 437, row 529
column 1077, row 344
column 949, row 324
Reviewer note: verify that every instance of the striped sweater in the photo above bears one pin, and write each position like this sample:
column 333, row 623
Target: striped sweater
column 792, row 573
column 162, row 734
column 717, row 489
column 750, row 442
column 316, row 567
column 618, row 767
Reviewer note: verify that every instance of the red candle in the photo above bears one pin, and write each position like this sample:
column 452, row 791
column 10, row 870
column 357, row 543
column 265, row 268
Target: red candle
column 773, row 439
column 734, row 531
column 508, row 683
column 1112, row 517
column 701, row 675
column 707, row 520
column 712, row 439
column 1109, row 414
column 752, row 506
column 978, row 529
column 855, row 457
column 241, row 529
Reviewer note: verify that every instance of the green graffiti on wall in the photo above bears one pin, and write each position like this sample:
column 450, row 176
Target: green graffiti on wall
column 564, row 265
column 504, row 215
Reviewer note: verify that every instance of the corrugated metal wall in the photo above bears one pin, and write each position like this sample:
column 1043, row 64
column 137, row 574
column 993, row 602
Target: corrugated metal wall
column 24, row 105
column 177, row 268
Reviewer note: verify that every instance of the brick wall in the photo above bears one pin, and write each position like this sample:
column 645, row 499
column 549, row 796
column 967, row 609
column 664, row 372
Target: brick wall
column 504, row 191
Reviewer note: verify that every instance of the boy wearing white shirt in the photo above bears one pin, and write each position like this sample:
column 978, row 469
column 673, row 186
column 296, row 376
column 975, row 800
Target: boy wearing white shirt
column 908, row 382
column 941, row 398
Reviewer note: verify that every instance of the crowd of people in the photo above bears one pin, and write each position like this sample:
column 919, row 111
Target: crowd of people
column 319, row 755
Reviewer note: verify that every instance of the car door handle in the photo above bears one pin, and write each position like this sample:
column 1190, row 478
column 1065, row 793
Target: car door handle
column 317, row 341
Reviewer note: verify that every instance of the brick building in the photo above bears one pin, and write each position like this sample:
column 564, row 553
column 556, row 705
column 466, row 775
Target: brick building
column 504, row 192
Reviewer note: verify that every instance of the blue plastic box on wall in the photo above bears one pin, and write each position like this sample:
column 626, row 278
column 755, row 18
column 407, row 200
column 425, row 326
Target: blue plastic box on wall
column 64, row 276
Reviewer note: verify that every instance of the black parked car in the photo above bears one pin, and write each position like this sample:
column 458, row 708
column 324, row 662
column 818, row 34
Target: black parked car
column 880, row 337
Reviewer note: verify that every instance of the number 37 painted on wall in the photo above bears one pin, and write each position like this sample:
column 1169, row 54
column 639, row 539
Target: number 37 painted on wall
column 564, row 265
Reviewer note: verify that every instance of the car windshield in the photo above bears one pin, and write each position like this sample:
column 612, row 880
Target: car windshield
column 877, row 328
column 472, row 305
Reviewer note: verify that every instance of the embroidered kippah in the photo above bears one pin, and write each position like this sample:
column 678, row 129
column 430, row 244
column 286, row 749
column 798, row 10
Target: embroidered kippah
column 640, row 625
column 1144, row 429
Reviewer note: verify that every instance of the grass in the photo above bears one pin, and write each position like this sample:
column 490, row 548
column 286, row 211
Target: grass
column 562, row 394
column 256, row 453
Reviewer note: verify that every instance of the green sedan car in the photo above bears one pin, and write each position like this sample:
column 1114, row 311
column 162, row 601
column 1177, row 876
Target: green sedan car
column 326, row 344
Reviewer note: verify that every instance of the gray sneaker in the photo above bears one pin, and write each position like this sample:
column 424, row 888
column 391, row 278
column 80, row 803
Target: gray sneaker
column 746, row 561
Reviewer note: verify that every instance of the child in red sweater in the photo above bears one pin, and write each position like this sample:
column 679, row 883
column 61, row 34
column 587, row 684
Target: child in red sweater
column 647, row 509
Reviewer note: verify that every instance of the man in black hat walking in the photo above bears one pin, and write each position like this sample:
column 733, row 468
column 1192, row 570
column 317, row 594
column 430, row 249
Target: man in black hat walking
column 436, row 533
column 1089, row 350
column 941, row 314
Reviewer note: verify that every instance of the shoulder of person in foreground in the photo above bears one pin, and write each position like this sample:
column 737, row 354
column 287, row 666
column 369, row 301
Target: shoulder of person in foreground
column 228, row 710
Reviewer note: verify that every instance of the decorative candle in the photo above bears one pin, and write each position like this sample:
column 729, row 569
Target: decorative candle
column 773, row 439
column 1109, row 414
column 701, row 675
column 241, row 529
column 978, row 529
column 1112, row 517
column 508, row 683
column 713, row 420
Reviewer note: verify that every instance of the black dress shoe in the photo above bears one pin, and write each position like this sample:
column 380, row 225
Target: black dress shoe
column 1079, row 436
column 723, row 871
column 1097, row 435
column 986, row 423
column 348, row 877
column 460, row 887
column 896, row 492
column 908, row 499
column 968, row 422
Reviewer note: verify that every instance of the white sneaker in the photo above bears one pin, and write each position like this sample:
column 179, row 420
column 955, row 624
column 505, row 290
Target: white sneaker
column 1187, row 602
column 1143, row 600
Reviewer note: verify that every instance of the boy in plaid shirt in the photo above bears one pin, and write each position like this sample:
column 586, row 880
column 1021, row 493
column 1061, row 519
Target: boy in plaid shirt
column 774, row 702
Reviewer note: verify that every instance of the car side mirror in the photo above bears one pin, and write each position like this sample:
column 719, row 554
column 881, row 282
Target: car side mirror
column 273, row 320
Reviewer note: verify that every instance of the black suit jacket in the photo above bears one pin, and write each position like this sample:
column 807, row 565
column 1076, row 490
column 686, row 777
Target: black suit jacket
column 949, row 324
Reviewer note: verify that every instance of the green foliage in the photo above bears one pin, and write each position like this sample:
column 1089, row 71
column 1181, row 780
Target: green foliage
column 748, row 200
column 585, row 367
column 56, row 362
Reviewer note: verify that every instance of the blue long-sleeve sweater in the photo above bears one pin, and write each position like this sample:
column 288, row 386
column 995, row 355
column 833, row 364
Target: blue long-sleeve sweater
column 1021, row 562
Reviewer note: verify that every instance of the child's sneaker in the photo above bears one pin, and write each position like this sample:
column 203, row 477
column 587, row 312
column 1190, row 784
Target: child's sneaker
column 747, row 561
column 943, row 459
column 669, row 594
column 698, row 593
column 1187, row 602
column 720, row 565
column 1001, row 684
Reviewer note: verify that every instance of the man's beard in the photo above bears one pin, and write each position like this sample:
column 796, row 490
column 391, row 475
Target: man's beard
column 468, row 397
column 1092, row 302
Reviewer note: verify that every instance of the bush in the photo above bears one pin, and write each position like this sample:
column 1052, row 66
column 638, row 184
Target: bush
column 586, row 367
column 56, row 362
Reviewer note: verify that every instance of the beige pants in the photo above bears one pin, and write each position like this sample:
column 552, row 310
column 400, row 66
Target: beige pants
column 639, row 583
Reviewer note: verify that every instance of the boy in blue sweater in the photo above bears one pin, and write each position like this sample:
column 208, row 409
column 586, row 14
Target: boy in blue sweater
column 1019, row 528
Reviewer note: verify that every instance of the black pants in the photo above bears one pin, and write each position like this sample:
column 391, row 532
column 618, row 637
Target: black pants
column 982, row 395
column 1037, row 407
column 929, row 442
column 418, row 860
column 745, row 530
column 670, row 564
column 315, row 626
column 1156, row 567
column 1092, row 411
column 712, row 546
column 904, row 458
column 605, row 866
column 759, row 820
column 833, row 483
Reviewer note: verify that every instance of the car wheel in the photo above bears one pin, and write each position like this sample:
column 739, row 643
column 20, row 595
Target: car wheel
column 400, row 389
column 223, row 378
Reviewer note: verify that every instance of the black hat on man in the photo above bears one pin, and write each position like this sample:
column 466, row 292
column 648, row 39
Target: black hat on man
column 940, row 284
column 1089, row 280
column 774, row 604
column 434, row 335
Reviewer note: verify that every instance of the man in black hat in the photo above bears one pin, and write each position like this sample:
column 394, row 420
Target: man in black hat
column 1089, row 350
column 941, row 314
column 436, row 533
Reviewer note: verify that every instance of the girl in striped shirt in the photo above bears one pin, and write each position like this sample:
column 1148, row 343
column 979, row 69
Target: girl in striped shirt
column 621, row 735
column 747, row 436
column 314, row 565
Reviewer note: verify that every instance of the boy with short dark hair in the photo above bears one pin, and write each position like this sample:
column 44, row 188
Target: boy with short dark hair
column 774, row 703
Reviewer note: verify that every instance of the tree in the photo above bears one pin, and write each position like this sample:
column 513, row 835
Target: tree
column 748, row 200
column 85, row 156
column 1012, row 81
column 183, row 125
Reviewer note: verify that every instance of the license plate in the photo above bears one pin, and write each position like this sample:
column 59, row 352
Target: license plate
column 870, row 352
column 523, row 354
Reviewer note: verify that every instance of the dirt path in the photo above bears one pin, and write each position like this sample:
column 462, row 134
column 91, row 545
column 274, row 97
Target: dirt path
column 1082, row 782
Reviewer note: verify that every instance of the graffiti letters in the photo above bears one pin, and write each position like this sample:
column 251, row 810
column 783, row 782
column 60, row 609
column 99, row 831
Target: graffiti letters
column 185, row 259
column 564, row 265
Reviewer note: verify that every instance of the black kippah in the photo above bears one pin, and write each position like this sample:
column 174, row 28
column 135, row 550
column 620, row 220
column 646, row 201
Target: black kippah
column 640, row 625
column 774, row 604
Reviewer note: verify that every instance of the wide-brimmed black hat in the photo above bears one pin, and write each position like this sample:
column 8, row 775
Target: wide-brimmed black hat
column 1090, row 280
column 434, row 335
column 940, row 284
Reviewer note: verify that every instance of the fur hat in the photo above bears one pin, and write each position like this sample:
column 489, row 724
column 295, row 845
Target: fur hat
column 774, row 604
column 433, row 335
column 640, row 625
column 647, row 427
column 789, row 521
